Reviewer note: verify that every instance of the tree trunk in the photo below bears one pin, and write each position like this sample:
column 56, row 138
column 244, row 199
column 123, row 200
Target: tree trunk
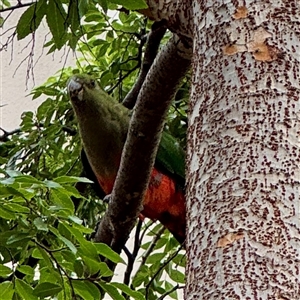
column 244, row 152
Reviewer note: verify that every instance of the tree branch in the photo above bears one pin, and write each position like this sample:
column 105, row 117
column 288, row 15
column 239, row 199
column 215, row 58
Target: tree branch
column 158, row 30
column 6, row 134
column 19, row 5
column 167, row 293
column 133, row 177
column 132, row 256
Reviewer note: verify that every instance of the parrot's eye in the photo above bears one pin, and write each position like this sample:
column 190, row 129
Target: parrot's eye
column 93, row 83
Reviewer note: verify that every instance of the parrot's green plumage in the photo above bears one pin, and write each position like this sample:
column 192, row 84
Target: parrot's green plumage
column 103, row 125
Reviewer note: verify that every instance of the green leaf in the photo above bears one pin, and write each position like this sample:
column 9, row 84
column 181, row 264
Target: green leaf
column 48, row 274
column 111, row 291
column 103, row 4
column 45, row 106
column 81, row 228
column 85, row 289
column 6, row 214
column 41, row 253
column 26, row 270
column 68, row 243
column 9, row 191
column 71, row 179
column 24, row 290
column 61, row 198
column 107, row 252
column 51, row 184
column 40, row 224
column 176, row 275
column 5, row 271
column 155, row 257
column 180, row 260
column 75, row 220
column 37, row 254
column 83, row 7
column 68, row 255
column 131, row 4
column 169, row 287
column 27, row 179
column 73, row 16
column 88, row 249
column 47, row 289
column 6, row 290
column 6, row 3
column 17, row 238
column 105, row 271
column 14, row 207
column 94, row 266
column 66, row 293
column 73, row 40
column 128, row 291
column 31, row 19
column 78, row 268
column 56, row 17
column 141, row 276
column 77, row 231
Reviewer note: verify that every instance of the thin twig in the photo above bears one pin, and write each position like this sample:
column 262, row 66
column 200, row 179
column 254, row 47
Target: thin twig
column 6, row 134
column 161, row 268
column 152, row 245
column 19, row 5
column 176, row 287
column 133, row 255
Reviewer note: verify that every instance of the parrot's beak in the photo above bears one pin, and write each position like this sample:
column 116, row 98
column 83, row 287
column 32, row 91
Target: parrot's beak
column 75, row 88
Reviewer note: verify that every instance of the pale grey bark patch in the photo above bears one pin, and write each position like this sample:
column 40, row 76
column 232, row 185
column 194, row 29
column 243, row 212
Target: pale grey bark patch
column 244, row 152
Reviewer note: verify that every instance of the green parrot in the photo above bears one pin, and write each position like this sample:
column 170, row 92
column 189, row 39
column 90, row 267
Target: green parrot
column 103, row 125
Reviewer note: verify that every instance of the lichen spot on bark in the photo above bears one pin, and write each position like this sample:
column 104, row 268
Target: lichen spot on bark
column 240, row 13
column 229, row 239
column 263, row 52
column 260, row 50
column 232, row 49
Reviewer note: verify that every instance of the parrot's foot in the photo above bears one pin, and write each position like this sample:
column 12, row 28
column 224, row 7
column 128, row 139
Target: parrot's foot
column 106, row 199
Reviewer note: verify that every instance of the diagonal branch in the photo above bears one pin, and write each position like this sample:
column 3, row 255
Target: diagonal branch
column 144, row 134
column 158, row 30
column 19, row 5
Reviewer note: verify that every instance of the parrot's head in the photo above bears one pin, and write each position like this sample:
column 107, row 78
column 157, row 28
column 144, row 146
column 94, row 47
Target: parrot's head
column 87, row 97
column 92, row 104
column 82, row 87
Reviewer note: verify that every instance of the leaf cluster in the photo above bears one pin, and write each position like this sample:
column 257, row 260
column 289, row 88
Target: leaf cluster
column 64, row 18
column 45, row 249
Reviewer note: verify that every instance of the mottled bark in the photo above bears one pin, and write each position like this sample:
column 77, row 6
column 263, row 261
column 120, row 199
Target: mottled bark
column 243, row 166
column 244, row 152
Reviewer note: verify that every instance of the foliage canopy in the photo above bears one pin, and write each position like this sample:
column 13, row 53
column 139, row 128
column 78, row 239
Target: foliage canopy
column 48, row 209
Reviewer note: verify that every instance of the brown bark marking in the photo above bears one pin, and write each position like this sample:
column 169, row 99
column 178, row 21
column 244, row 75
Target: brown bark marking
column 260, row 50
column 232, row 49
column 258, row 47
column 228, row 239
column 240, row 13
